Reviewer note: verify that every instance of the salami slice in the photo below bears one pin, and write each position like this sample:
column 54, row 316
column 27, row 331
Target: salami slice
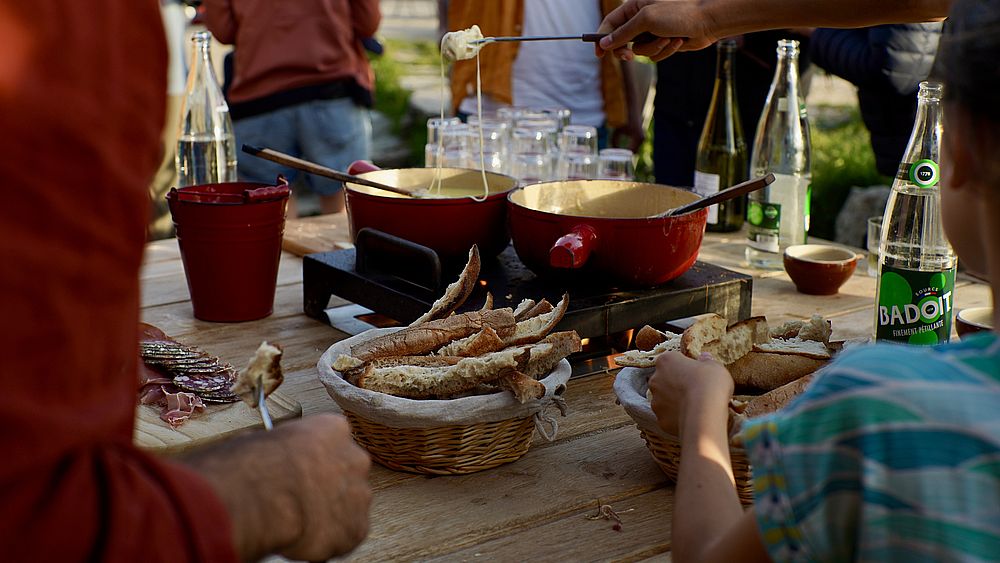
column 202, row 384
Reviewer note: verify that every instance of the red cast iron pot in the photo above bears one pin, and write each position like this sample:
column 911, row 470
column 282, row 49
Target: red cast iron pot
column 604, row 230
column 449, row 225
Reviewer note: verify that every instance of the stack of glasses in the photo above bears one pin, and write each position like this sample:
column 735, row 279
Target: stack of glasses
column 528, row 144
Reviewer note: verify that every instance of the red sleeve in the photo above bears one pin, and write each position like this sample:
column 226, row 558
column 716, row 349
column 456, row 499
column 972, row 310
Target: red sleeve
column 221, row 20
column 82, row 92
column 365, row 16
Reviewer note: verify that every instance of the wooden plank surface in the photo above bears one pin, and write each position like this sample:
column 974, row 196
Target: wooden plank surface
column 322, row 233
column 532, row 509
column 215, row 423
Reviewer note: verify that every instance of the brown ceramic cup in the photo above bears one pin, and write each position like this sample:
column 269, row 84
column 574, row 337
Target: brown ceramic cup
column 819, row 269
column 974, row 319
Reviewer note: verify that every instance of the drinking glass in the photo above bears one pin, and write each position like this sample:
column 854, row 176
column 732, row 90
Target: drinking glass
column 616, row 164
column 874, row 238
column 578, row 139
column 494, row 146
column 561, row 115
column 532, row 158
column 456, row 147
column 436, row 124
column 576, row 166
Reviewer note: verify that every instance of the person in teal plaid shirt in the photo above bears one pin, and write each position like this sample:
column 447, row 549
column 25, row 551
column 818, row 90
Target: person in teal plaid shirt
column 893, row 452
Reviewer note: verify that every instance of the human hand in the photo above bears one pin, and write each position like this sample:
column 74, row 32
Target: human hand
column 681, row 25
column 681, row 385
column 301, row 490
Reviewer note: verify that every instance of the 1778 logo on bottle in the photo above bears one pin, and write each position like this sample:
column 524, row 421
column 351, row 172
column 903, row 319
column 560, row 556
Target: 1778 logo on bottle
column 923, row 173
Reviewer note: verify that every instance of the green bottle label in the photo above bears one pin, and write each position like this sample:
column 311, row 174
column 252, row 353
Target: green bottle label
column 914, row 307
column 923, row 173
column 764, row 215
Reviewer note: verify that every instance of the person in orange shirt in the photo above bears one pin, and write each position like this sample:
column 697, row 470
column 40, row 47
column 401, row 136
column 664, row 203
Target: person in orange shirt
column 82, row 99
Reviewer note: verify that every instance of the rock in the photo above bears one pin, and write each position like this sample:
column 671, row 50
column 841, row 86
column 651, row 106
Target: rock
column 852, row 221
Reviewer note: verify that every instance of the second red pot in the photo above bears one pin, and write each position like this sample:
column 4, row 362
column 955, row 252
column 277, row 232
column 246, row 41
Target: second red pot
column 604, row 230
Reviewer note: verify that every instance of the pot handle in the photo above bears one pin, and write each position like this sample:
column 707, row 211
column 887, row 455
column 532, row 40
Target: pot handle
column 573, row 249
column 360, row 167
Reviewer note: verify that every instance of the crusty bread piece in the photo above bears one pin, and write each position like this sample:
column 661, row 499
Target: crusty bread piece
column 737, row 342
column 797, row 347
column 483, row 342
column 351, row 375
column 787, row 329
column 704, row 330
column 535, row 328
column 647, row 358
column 522, row 309
column 488, row 304
column 427, row 382
column 817, row 328
column 456, row 293
column 543, row 356
column 767, row 371
column 648, row 337
column 761, row 333
column 523, row 387
column 540, row 308
column 429, row 336
column 263, row 370
column 777, row 398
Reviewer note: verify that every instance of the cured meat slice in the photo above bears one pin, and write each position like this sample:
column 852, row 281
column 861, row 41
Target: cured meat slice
column 179, row 407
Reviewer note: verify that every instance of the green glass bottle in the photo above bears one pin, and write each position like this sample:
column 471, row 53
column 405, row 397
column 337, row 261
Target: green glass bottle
column 722, row 150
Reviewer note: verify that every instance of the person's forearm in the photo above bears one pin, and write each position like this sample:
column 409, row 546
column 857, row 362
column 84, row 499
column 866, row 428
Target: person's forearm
column 706, row 503
column 734, row 17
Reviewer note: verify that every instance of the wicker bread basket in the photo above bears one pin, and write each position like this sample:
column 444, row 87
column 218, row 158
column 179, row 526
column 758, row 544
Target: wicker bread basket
column 451, row 437
column 630, row 386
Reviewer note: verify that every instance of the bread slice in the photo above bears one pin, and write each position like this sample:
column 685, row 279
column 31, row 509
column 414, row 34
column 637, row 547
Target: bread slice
column 534, row 329
column 483, row 342
column 353, row 374
column 777, row 398
column 522, row 309
column 429, row 336
column 456, row 293
column 428, row 382
column 540, row 308
column 648, row 337
column 488, row 304
column 704, row 330
column 523, row 387
column 647, row 358
column 767, row 371
column 737, row 342
column 816, row 328
column 797, row 347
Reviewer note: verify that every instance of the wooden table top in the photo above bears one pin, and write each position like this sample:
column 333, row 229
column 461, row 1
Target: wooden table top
column 537, row 507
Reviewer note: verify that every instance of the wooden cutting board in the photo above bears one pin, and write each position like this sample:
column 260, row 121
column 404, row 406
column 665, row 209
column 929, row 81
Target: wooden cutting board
column 215, row 423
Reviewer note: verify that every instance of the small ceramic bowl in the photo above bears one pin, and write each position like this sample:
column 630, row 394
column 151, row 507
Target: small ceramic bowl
column 819, row 269
column 975, row 319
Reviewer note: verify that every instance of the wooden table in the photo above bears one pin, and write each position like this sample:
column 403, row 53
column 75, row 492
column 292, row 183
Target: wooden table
column 536, row 508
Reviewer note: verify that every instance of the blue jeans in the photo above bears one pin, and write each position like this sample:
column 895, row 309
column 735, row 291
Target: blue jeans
column 333, row 133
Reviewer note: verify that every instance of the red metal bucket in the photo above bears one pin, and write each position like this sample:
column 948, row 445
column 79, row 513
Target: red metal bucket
column 230, row 241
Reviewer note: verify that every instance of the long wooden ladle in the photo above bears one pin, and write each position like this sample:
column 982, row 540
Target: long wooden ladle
column 320, row 170
column 724, row 195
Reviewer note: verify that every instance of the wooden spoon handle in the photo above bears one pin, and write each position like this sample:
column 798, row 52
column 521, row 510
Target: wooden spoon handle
column 725, row 195
column 319, row 170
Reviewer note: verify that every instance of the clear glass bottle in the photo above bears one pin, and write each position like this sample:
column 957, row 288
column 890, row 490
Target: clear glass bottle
column 206, row 146
column 778, row 214
column 722, row 150
column 916, row 277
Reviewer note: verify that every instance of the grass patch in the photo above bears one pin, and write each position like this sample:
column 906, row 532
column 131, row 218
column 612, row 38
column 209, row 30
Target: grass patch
column 842, row 158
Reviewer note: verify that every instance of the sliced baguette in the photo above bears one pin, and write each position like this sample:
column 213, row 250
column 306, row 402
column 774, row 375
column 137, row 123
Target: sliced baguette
column 522, row 309
column 536, row 328
column 543, row 356
column 738, row 340
column 488, row 304
column 523, row 387
column 540, row 308
column 352, row 375
column 648, row 337
column 647, row 358
column 767, row 371
column 483, row 342
column 429, row 336
column 704, row 330
column 456, row 293
column 777, row 398
column 796, row 347
column 414, row 382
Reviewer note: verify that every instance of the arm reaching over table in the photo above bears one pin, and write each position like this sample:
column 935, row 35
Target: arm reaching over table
column 685, row 25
